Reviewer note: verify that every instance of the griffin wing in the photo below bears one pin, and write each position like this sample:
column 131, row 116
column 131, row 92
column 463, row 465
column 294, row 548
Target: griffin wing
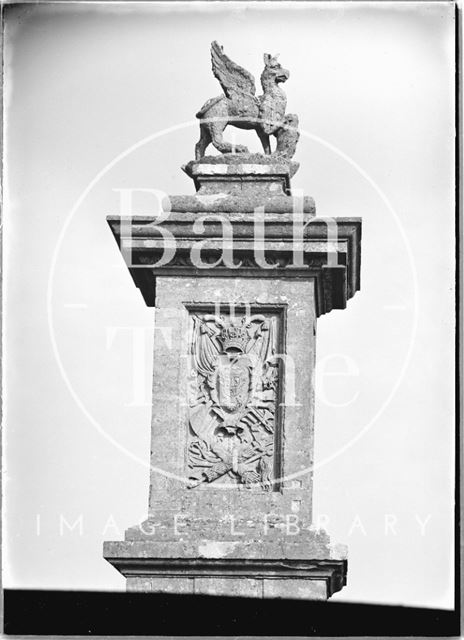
column 234, row 79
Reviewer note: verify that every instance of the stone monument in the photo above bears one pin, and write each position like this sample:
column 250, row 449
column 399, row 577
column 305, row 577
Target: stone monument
column 238, row 274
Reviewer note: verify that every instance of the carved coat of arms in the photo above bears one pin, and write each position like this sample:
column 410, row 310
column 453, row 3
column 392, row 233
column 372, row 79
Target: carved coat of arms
column 232, row 399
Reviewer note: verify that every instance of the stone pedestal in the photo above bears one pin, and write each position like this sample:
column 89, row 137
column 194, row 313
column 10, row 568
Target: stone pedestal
column 236, row 302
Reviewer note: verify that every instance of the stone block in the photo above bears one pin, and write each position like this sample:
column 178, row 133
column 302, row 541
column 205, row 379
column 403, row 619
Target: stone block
column 292, row 589
column 172, row 585
column 238, row 587
column 139, row 584
column 242, row 174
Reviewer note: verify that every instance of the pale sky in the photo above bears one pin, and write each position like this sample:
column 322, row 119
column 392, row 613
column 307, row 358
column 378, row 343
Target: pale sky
column 373, row 85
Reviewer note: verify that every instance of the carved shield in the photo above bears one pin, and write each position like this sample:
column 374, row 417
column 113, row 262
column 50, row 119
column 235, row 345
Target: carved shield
column 233, row 387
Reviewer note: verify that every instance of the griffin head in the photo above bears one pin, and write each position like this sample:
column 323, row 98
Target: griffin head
column 273, row 70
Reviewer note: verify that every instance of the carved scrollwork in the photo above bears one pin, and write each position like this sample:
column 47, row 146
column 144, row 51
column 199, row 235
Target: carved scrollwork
column 233, row 387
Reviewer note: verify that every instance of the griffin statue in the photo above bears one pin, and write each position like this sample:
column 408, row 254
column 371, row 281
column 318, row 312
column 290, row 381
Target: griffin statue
column 241, row 108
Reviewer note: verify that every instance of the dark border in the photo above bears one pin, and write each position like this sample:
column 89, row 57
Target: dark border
column 459, row 540
column 97, row 613
column 28, row 612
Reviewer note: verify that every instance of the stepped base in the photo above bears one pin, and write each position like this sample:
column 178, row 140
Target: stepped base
column 308, row 568
column 252, row 578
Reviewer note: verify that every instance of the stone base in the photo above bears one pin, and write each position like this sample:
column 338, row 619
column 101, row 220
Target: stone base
column 249, row 578
column 240, row 183
column 305, row 566
column 238, row 203
column 243, row 174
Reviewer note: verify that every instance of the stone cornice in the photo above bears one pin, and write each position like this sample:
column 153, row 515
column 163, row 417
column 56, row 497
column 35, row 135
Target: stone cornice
column 332, row 260
column 331, row 571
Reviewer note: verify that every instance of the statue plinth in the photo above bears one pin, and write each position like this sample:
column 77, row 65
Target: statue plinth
column 230, row 506
column 242, row 174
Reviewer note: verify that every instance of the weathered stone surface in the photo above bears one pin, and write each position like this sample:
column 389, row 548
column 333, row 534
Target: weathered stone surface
column 288, row 588
column 231, row 160
column 241, row 108
column 238, row 274
column 237, row 550
column 329, row 251
column 296, row 589
column 233, row 426
column 222, row 523
column 241, row 587
column 288, row 137
column 177, row 299
column 219, row 531
column 161, row 585
column 251, row 176
column 225, row 203
column 139, row 584
column 312, row 578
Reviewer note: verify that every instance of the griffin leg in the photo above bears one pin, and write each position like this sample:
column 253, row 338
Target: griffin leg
column 205, row 139
column 265, row 141
column 221, row 145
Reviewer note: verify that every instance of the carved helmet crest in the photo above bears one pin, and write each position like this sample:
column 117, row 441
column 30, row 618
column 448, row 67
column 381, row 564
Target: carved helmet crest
column 235, row 337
